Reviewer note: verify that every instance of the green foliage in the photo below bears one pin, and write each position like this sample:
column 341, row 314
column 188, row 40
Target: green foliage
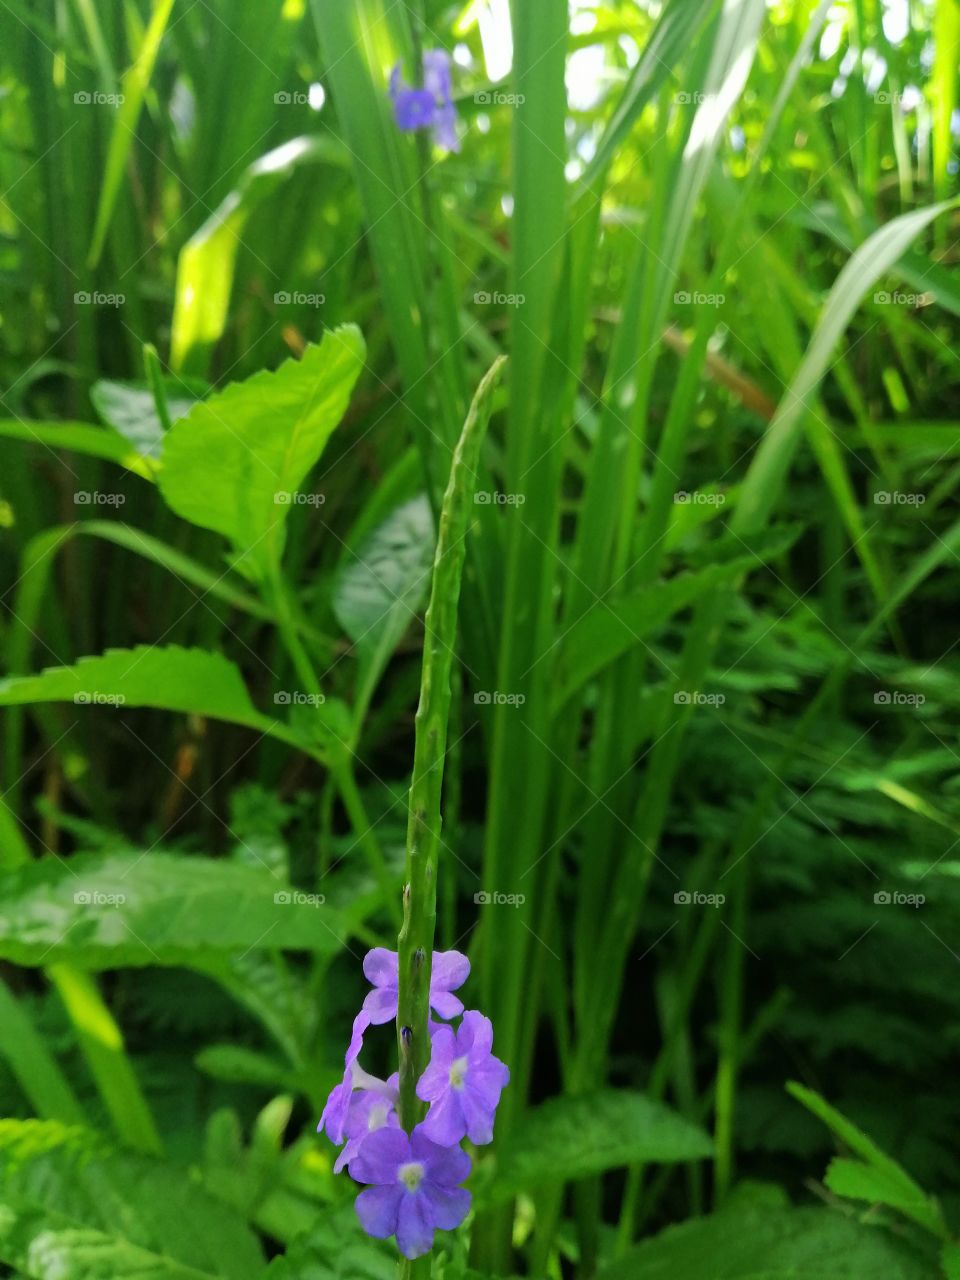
column 148, row 907
column 771, row 1244
column 235, row 463
column 570, row 1138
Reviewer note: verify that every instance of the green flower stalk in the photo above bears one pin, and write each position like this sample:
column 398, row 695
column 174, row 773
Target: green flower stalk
column 415, row 943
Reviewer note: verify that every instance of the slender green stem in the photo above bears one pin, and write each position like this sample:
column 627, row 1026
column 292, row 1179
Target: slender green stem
column 415, row 943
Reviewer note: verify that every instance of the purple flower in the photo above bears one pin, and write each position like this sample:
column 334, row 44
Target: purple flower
column 382, row 968
column 414, row 1188
column 370, row 1110
column 338, row 1115
column 429, row 107
column 462, row 1083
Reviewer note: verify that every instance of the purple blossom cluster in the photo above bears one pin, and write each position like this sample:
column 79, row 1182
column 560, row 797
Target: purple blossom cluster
column 413, row 1181
column 430, row 107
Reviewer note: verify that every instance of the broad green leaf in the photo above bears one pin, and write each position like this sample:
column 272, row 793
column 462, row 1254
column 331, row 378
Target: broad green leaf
column 133, row 90
column 381, row 586
column 155, row 1206
column 236, row 462
column 141, row 908
column 575, row 1137
column 771, row 462
column 45, row 1245
column 130, row 408
column 192, row 681
column 79, row 437
column 205, row 268
column 859, row 1181
column 770, row 1244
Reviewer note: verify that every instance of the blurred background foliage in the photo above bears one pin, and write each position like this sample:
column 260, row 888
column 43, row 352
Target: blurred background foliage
column 738, row 661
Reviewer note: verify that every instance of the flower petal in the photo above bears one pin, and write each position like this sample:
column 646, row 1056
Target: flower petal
column 477, row 1116
column 377, row 1209
column 360, row 1024
column 380, row 1006
column 445, row 1003
column 450, row 970
column 381, row 1152
column 446, row 1166
column 445, row 1123
column 414, row 1225
column 448, row 1205
column 475, row 1036
column 414, row 109
column 381, row 967
column 436, row 1078
column 337, row 1108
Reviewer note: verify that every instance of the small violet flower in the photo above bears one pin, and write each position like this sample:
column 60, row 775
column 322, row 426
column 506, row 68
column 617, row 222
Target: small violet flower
column 370, row 1110
column 381, row 967
column 462, row 1083
column 429, row 107
column 338, row 1114
column 413, row 1189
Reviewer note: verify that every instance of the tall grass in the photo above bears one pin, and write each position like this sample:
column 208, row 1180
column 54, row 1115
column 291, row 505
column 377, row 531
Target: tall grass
column 714, row 523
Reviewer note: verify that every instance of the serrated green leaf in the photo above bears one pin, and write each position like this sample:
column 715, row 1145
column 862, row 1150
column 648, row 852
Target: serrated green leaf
column 575, row 1137
column 235, row 463
column 191, row 681
column 117, row 909
column 770, row 1244
column 859, row 1181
